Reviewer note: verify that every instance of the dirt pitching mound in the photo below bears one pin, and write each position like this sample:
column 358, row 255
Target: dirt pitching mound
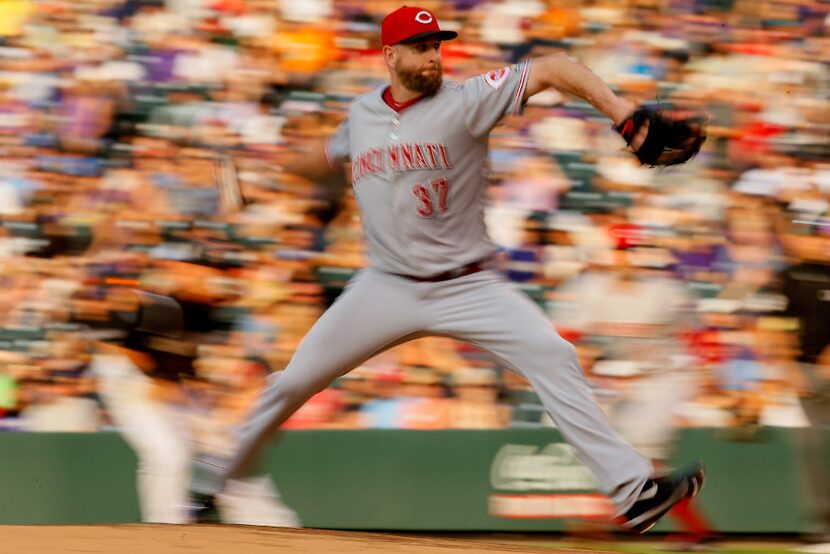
column 232, row 539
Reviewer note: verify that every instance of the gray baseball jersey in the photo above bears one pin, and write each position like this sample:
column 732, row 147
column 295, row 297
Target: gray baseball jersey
column 418, row 175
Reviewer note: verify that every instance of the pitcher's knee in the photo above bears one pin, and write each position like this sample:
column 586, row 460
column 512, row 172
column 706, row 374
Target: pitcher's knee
column 553, row 348
column 566, row 350
column 553, row 357
column 290, row 389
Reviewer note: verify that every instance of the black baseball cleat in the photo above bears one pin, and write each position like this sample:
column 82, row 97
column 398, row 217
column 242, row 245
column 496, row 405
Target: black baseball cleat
column 203, row 508
column 658, row 496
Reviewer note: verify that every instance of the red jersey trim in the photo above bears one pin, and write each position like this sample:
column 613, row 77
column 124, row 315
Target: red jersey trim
column 398, row 106
column 516, row 107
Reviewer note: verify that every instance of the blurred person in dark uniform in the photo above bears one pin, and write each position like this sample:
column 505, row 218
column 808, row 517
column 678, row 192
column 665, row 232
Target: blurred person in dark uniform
column 148, row 377
column 806, row 285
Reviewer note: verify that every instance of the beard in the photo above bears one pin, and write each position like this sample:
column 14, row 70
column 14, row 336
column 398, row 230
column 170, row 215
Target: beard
column 416, row 81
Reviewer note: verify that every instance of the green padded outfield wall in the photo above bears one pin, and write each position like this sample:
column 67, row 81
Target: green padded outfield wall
column 66, row 478
column 522, row 480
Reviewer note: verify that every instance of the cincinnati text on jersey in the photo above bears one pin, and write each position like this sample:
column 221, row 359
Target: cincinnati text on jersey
column 401, row 157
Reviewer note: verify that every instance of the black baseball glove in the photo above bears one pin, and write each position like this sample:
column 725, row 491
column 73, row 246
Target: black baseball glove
column 673, row 136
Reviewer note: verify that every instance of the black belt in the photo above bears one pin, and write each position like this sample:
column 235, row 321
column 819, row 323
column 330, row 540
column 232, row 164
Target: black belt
column 462, row 271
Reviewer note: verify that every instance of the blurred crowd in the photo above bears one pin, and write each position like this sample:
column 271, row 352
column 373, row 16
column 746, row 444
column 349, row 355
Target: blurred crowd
column 701, row 292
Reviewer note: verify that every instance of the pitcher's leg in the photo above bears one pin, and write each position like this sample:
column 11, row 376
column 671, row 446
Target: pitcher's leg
column 374, row 313
column 255, row 501
column 485, row 310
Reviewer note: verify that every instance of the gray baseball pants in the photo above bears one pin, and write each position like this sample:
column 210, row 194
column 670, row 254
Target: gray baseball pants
column 378, row 310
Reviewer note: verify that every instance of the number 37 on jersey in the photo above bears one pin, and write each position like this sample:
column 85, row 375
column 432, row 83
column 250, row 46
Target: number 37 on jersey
column 431, row 196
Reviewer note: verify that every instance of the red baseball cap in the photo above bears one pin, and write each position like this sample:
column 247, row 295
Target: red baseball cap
column 408, row 25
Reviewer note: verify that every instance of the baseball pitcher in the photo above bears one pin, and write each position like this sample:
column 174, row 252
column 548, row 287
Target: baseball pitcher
column 418, row 151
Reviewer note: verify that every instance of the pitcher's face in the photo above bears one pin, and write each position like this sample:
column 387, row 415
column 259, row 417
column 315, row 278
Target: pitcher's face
column 418, row 66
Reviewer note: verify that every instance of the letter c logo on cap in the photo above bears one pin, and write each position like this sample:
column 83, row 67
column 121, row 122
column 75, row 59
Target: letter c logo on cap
column 423, row 17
